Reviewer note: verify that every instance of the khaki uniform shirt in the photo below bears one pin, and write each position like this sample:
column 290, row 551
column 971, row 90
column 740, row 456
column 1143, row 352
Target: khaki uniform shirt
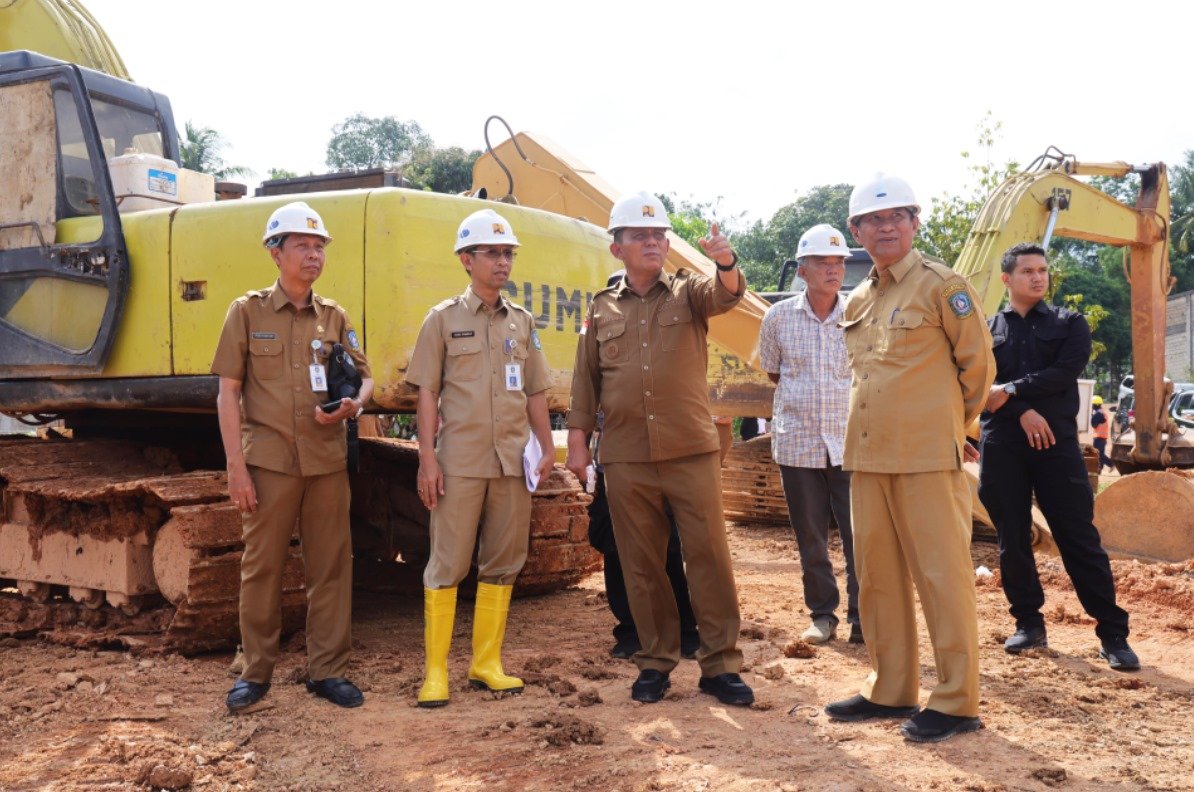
column 643, row 362
column 922, row 366
column 461, row 354
column 266, row 345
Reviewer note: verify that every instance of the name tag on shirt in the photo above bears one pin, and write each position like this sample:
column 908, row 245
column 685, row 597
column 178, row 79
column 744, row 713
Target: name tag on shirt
column 513, row 376
column 319, row 379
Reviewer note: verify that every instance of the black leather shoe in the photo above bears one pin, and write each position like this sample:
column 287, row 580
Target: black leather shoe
column 729, row 689
column 650, row 686
column 624, row 650
column 1026, row 638
column 689, row 646
column 337, row 690
column 245, row 694
column 1119, row 655
column 933, row 726
column 856, row 634
column 857, row 708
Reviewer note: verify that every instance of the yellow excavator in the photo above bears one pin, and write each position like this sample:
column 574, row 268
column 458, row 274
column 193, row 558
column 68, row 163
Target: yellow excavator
column 116, row 270
column 1148, row 513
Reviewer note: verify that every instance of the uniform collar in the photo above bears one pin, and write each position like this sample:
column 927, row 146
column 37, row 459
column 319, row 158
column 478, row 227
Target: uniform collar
column 623, row 286
column 474, row 303
column 1041, row 307
column 278, row 299
column 904, row 265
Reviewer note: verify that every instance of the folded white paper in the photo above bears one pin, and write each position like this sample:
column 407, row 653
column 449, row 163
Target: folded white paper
column 531, row 456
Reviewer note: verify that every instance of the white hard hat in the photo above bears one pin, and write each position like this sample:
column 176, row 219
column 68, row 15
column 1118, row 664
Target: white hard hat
column 295, row 218
column 882, row 192
column 822, row 240
column 641, row 210
column 484, row 227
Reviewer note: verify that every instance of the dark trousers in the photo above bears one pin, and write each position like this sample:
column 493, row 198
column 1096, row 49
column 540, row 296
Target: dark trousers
column 601, row 537
column 815, row 496
column 1011, row 473
column 1100, row 444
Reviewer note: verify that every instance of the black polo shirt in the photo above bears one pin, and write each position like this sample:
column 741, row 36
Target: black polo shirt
column 1043, row 354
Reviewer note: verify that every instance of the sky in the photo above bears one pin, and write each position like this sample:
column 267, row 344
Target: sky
column 748, row 104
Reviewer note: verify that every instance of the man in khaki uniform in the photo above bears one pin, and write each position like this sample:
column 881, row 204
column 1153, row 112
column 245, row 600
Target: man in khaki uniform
column 479, row 364
column 642, row 360
column 287, row 457
column 921, row 358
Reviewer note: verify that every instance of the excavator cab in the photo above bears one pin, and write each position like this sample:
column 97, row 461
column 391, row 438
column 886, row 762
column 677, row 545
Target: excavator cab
column 64, row 271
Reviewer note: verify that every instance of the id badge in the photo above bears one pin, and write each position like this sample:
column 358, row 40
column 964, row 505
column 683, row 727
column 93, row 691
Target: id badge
column 513, row 377
column 319, row 379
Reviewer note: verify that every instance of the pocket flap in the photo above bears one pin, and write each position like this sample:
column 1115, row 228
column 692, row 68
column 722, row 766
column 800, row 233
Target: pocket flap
column 463, row 346
column 674, row 314
column 909, row 320
column 261, row 346
column 611, row 330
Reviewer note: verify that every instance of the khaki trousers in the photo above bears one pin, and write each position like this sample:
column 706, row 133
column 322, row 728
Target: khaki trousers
column 914, row 528
column 319, row 504
column 502, row 508
column 692, row 486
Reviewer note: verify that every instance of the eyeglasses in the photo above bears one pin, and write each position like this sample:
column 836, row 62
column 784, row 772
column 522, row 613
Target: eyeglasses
column 496, row 254
column 877, row 220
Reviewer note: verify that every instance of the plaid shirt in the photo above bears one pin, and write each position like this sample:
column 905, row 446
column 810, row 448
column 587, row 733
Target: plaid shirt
column 813, row 395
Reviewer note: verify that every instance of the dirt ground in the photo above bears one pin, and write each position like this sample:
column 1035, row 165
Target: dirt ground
column 75, row 720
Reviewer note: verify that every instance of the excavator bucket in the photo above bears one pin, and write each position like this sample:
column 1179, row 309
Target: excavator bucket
column 1148, row 516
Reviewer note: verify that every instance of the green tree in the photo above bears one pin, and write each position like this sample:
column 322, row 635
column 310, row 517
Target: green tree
column 281, row 173
column 764, row 247
column 361, row 142
column 199, row 150
column 446, row 170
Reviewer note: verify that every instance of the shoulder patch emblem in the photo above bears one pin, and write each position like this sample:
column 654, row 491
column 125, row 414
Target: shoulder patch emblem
column 352, row 339
column 959, row 300
column 535, row 342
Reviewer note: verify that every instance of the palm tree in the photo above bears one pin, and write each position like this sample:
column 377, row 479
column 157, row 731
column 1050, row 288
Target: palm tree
column 199, row 150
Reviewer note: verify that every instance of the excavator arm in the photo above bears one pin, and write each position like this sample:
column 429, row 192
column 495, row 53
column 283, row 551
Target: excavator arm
column 535, row 172
column 61, row 29
column 1051, row 200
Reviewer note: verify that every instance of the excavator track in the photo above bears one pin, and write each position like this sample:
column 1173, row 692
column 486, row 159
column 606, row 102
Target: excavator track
column 112, row 543
column 390, row 523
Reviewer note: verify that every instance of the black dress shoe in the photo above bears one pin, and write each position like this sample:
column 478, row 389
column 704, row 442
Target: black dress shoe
column 856, row 634
column 337, row 690
column 1119, row 655
column 1026, row 638
column 729, row 689
column 857, row 708
column 245, row 694
column 650, row 686
column 933, row 726
column 624, row 650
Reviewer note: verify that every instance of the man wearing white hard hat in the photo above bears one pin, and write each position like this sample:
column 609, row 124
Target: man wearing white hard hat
column 642, row 360
column 921, row 358
column 287, row 456
column 803, row 351
column 478, row 365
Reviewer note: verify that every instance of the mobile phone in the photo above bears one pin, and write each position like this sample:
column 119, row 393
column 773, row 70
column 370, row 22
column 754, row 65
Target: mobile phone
column 330, row 407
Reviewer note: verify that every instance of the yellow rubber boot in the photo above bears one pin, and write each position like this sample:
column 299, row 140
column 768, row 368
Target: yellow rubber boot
column 439, row 612
column 489, row 630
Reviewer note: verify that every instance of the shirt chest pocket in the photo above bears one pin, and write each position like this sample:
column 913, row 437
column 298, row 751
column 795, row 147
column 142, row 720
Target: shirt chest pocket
column 265, row 358
column 852, row 330
column 675, row 328
column 611, row 342
column 1048, row 340
column 911, row 335
column 463, row 361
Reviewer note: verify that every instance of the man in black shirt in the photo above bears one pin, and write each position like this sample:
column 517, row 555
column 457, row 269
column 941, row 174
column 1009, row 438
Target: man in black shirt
column 1030, row 445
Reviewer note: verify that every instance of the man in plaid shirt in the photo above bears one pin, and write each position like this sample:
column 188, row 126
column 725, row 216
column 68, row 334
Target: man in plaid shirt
column 803, row 351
